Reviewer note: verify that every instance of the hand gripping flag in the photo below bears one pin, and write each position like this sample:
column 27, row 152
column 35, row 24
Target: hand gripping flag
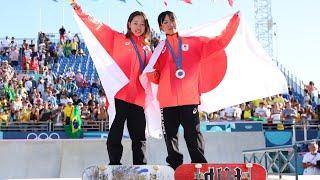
column 240, row 73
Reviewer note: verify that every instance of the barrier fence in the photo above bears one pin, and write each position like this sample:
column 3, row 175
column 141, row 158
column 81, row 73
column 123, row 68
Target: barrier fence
column 282, row 160
column 100, row 126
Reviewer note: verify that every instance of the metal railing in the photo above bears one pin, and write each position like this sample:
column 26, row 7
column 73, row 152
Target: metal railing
column 281, row 160
column 100, row 126
column 25, row 126
column 277, row 160
column 305, row 127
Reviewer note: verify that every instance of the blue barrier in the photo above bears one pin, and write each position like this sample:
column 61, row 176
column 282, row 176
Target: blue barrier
column 35, row 135
column 234, row 127
column 282, row 138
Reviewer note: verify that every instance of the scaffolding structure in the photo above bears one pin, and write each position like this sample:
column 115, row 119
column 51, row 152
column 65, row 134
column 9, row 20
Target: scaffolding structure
column 264, row 25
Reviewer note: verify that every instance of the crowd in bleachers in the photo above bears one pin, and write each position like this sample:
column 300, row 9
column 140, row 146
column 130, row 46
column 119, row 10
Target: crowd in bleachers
column 40, row 82
column 43, row 81
column 279, row 109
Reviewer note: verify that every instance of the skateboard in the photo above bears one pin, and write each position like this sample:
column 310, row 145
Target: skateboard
column 128, row 172
column 240, row 171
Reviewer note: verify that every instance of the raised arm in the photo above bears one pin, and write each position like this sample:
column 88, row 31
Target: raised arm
column 102, row 32
column 220, row 42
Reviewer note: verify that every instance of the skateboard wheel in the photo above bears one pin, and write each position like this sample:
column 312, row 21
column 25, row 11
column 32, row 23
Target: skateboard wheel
column 249, row 165
column 156, row 168
column 198, row 166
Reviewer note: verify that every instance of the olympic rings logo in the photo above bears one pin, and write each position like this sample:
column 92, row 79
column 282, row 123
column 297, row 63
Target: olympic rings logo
column 43, row 136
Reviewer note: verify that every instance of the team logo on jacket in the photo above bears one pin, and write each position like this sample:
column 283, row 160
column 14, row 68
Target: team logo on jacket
column 195, row 110
column 185, row 47
column 127, row 43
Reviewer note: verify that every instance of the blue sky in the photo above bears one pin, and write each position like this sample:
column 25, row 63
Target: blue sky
column 298, row 24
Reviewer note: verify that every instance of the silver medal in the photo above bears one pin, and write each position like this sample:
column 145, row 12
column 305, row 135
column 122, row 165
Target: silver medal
column 180, row 73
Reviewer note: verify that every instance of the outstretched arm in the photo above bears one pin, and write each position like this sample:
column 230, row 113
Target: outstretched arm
column 102, row 32
column 220, row 42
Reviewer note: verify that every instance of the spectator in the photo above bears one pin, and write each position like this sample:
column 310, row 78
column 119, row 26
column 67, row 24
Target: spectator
column 4, row 117
column 310, row 160
column 306, row 98
column 34, row 65
column 60, row 52
column 67, row 48
column 230, row 113
column 5, row 44
column 58, row 86
column 34, row 114
column 102, row 99
column 6, row 71
column 50, row 76
column 25, row 114
column 79, row 79
column 28, row 85
column 46, row 112
column 289, row 114
column 62, row 32
column 247, row 113
column 74, row 47
column 76, row 100
column 262, row 113
column 70, row 87
column 69, row 74
column 21, row 91
column 212, row 117
column 102, row 114
column 279, row 99
column 237, row 112
column 68, row 112
column 40, row 87
column 275, row 113
column 38, row 100
column 32, row 45
column 13, row 44
column 85, row 113
column 14, row 57
column 76, row 39
column 308, row 113
column 51, row 99
column 58, row 115
column 310, row 88
column 64, row 99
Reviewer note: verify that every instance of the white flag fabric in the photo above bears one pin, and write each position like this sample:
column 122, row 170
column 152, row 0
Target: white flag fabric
column 111, row 76
column 247, row 74
column 250, row 74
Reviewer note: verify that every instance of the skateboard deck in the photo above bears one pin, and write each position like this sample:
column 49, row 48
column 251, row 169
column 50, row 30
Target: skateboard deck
column 240, row 171
column 128, row 172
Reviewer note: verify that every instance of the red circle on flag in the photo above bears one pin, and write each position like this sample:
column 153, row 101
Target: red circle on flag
column 212, row 71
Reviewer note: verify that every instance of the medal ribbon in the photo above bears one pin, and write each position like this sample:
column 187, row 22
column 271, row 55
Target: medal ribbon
column 142, row 63
column 177, row 59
